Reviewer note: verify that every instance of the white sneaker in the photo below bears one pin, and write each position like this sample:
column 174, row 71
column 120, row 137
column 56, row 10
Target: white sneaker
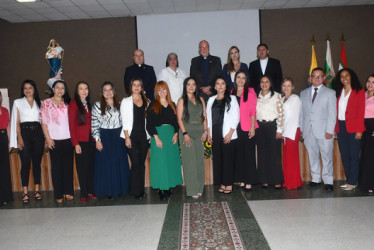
column 343, row 186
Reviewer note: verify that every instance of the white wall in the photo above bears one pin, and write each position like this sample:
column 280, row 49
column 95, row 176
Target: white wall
column 159, row 35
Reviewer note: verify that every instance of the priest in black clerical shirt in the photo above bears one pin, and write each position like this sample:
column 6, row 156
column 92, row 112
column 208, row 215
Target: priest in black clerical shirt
column 144, row 71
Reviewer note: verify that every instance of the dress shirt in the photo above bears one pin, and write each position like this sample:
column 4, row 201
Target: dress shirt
column 26, row 114
column 369, row 106
column 269, row 108
column 312, row 92
column 264, row 63
column 343, row 101
column 175, row 80
column 110, row 120
column 291, row 116
column 55, row 116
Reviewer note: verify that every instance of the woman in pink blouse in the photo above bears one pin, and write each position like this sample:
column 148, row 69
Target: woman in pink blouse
column 245, row 161
column 366, row 172
column 55, row 124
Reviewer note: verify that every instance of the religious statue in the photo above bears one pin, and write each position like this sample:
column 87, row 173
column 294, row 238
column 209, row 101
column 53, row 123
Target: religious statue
column 54, row 56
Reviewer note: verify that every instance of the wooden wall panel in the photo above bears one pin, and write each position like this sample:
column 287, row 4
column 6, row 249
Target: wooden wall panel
column 46, row 180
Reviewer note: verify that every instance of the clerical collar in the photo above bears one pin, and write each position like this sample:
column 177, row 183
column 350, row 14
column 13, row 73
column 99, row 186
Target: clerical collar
column 139, row 65
column 204, row 58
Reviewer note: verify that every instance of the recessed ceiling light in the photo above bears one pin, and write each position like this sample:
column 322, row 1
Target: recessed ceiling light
column 27, row 1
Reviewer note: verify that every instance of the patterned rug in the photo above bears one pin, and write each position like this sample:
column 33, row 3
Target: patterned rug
column 209, row 226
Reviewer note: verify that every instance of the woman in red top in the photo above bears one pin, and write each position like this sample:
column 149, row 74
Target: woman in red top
column 81, row 138
column 350, row 124
column 5, row 181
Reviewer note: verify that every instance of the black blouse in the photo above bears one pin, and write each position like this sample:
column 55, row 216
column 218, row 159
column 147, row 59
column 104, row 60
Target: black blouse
column 166, row 116
column 139, row 120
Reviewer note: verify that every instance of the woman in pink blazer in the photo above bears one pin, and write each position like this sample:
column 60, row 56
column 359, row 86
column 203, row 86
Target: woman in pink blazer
column 245, row 162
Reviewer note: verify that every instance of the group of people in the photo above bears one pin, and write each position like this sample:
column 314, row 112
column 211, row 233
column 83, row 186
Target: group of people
column 234, row 109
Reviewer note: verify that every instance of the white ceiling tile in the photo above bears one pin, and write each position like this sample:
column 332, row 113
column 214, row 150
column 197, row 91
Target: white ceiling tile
column 47, row 11
column 208, row 5
column 338, row 2
column 98, row 14
column 358, row 2
column 84, row 2
column 57, row 16
column 274, row 4
column 115, row 7
column 253, row 4
column 316, row 3
column 77, row 15
column 4, row 13
column 12, row 6
column 35, row 5
column 59, row 3
column 24, row 12
column 139, row 8
column 135, row 1
column 105, row 2
column 66, row 9
column 185, row 6
column 35, row 18
column 230, row 5
column 92, row 7
column 15, row 19
column 119, row 13
column 295, row 3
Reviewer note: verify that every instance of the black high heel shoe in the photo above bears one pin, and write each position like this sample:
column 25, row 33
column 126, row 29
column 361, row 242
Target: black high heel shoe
column 162, row 195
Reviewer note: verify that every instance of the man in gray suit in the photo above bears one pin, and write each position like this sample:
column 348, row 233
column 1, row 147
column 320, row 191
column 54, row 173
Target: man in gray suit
column 317, row 124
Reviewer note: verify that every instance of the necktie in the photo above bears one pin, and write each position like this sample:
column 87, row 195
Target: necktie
column 314, row 95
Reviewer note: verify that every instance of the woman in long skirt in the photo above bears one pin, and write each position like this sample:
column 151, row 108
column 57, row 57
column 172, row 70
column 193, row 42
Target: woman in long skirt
column 192, row 122
column 163, row 128
column 111, row 164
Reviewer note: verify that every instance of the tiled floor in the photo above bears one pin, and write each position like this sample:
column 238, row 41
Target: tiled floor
column 266, row 218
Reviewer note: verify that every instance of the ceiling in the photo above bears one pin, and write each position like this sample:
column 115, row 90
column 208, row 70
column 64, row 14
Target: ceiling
column 53, row 10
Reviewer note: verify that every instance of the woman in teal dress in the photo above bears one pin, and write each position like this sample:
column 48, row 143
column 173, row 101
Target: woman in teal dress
column 192, row 122
column 163, row 127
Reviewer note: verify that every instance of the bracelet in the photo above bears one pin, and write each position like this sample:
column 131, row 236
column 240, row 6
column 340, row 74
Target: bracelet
column 185, row 133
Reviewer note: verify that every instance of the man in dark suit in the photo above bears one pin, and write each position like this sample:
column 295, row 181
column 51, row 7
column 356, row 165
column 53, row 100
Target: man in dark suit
column 205, row 69
column 144, row 71
column 265, row 65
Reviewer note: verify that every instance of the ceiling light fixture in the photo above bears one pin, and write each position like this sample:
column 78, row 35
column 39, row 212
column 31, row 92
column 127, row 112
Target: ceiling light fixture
column 27, row 1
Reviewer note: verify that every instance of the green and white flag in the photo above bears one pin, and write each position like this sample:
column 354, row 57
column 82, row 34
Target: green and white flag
column 329, row 67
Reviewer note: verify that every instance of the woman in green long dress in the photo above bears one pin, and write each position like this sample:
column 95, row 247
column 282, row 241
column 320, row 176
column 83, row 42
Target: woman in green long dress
column 192, row 122
column 163, row 127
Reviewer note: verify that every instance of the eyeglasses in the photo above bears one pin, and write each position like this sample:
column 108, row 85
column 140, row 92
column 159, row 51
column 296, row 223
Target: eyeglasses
column 317, row 77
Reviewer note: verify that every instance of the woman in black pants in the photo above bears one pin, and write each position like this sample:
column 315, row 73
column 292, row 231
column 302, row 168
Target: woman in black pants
column 81, row 138
column 27, row 136
column 55, row 124
column 133, row 110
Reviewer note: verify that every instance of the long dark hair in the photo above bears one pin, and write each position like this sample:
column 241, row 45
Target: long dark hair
column 66, row 96
column 103, row 103
column 81, row 109
column 185, row 99
column 246, row 85
column 271, row 85
column 142, row 94
column 226, row 97
column 355, row 83
column 36, row 93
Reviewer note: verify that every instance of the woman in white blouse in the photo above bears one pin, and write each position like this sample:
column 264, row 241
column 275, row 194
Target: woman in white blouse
column 27, row 136
column 222, row 112
column 291, row 136
column 269, row 135
column 173, row 76
column 111, row 164
column 133, row 110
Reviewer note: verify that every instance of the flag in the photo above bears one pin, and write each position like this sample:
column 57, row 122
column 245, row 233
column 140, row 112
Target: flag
column 329, row 67
column 343, row 59
column 313, row 63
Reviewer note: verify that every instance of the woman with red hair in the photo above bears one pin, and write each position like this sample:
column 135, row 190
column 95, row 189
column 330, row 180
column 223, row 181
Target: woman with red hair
column 162, row 126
